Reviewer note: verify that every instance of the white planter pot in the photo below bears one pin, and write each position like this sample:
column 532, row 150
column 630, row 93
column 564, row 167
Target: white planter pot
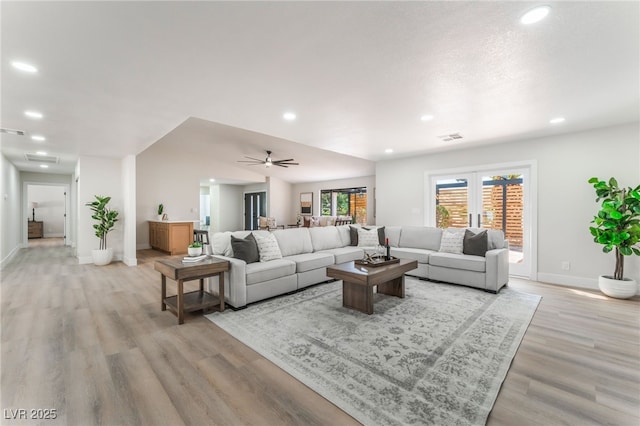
column 620, row 289
column 159, row 217
column 102, row 257
column 194, row 251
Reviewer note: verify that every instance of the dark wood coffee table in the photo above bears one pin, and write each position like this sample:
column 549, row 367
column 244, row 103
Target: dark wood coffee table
column 358, row 282
column 174, row 269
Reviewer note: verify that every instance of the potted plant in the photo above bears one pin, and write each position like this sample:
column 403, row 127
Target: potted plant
column 617, row 228
column 195, row 248
column 160, row 211
column 106, row 220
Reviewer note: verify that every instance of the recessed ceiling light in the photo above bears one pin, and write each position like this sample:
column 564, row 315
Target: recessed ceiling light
column 426, row 117
column 388, row 150
column 556, row 120
column 33, row 114
column 212, row 180
column 38, row 138
column 41, row 153
column 535, row 15
column 44, row 166
column 23, row 66
column 289, row 116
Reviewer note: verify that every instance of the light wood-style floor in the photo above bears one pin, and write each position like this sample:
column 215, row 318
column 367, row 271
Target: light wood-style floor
column 91, row 343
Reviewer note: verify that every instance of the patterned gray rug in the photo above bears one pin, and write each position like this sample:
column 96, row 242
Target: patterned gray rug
column 438, row 356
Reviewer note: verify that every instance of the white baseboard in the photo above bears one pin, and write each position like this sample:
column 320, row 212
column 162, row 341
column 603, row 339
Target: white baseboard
column 569, row 281
column 83, row 260
column 130, row 261
column 143, row 246
column 58, row 235
column 8, row 257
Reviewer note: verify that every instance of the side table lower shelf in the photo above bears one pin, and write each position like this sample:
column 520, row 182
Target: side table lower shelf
column 193, row 301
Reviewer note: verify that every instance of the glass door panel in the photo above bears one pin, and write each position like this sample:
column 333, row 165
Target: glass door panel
column 452, row 201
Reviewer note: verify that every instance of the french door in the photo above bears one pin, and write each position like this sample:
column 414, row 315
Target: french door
column 255, row 205
column 493, row 199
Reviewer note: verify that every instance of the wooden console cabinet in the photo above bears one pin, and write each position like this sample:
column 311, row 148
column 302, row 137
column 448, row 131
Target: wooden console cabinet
column 171, row 236
column 35, row 229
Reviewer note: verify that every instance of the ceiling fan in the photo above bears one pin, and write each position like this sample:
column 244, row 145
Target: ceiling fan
column 268, row 162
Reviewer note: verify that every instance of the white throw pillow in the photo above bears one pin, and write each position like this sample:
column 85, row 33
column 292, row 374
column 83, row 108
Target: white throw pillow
column 452, row 242
column 367, row 237
column 268, row 247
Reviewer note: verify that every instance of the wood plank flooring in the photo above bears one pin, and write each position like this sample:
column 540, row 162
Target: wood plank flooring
column 92, row 343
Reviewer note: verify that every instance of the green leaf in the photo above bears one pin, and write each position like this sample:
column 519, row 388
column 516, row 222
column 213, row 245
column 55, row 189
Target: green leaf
column 615, row 214
column 626, row 251
column 593, row 180
column 613, row 182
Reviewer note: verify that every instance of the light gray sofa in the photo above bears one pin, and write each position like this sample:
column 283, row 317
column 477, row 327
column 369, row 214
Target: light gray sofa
column 306, row 252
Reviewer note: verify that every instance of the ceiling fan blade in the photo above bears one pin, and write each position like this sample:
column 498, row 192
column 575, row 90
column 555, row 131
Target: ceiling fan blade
column 288, row 164
column 283, row 161
column 251, row 162
column 280, row 165
column 254, row 159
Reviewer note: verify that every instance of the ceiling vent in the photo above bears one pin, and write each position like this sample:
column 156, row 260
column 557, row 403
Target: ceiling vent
column 452, row 136
column 12, row 131
column 41, row 158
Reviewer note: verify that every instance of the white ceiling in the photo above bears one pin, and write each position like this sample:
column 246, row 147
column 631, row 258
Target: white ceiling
column 115, row 77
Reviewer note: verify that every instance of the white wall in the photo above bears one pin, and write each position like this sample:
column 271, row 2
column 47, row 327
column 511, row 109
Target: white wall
column 315, row 187
column 11, row 211
column 104, row 177
column 566, row 202
column 279, row 194
column 50, row 210
column 128, row 219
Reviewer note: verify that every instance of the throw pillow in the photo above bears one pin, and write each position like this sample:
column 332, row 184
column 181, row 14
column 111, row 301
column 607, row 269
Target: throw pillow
column 268, row 247
column 245, row 248
column 353, row 233
column 381, row 236
column 367, row 237
column 475, row 244
column 451, row 242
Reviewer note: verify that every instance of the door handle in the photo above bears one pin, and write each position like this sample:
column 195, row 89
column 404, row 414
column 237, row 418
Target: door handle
column 479, row 220
column 470, row 224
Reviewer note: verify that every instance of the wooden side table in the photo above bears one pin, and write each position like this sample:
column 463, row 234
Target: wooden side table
column 180, row 272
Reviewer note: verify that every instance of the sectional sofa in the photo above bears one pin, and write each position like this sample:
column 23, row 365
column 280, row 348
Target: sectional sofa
column 304, row 254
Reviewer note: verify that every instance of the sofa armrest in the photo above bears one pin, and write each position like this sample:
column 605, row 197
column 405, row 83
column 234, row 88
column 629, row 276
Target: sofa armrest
column 497, row 269
column 235, row 282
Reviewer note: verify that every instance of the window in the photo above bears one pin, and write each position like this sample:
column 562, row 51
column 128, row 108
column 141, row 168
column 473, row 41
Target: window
column 345, row 202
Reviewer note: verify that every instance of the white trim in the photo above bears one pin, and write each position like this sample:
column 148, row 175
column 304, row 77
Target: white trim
column 130, row 261
column 83, row 260
column 143, row 246
column 568, row 280
column 10, row 256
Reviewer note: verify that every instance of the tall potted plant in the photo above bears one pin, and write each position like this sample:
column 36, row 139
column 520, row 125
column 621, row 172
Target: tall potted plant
column 106, row 219
column 617, row 228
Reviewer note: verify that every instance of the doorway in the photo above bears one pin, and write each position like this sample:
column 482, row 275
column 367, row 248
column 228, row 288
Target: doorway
column 494, row 198
column 255, row 205
column 47, row 207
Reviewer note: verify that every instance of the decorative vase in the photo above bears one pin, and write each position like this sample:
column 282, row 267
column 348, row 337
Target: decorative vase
column 102, row 257
column 159, row 217
column 620, row 289
column 194, row 251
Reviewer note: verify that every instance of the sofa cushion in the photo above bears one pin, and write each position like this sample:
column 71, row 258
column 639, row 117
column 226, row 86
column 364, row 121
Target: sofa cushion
column 245, row 248
column 393, row 234
column 325, row 237
column 368, row 237
column 265, row 271
column 421, row 255
column 346, row 254
column 475, row 244
column 345, row 234
column 268, row 247
column 309, row 261
column 423, row 237
column 293, row 241
column 452, row 242
column 353, row 233
column 458, row 261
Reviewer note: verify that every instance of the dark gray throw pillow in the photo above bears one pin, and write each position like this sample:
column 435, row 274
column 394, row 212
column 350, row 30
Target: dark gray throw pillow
column 245, row 248
column 475, row 244
column 353, row 233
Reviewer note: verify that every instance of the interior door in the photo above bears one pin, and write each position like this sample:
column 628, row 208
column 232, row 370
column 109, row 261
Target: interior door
column 255, row 205
column 493, row 199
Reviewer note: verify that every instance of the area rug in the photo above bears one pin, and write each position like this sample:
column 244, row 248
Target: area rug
column 438, row 356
